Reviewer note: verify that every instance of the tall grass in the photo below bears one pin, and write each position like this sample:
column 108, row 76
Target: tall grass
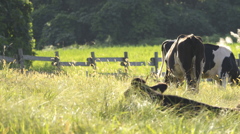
column 74, row 103
column 71, row 102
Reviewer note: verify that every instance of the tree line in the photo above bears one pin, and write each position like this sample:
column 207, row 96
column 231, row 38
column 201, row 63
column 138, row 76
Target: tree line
column 37, row 23
column 64, row 22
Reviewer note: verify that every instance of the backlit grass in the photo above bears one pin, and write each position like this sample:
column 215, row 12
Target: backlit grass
column 74, row 103
column 71, row 102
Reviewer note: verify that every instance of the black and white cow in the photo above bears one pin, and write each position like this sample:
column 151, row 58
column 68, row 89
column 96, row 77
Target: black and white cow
column 185, row 60
column 141, row 89
column 220, row 64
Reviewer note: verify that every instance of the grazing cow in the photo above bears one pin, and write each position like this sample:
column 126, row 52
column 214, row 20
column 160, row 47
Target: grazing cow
column 185, row 60
column 171, row 101
column 220, row 64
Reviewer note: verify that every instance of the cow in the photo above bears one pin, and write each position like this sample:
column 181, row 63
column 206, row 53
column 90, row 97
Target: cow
column 181, row 104
column 220, row 64
column 185, row 60
column 160, row 86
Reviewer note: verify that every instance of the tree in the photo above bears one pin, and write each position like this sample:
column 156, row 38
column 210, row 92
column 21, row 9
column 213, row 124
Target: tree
column 59, row 31
column 16, row 27
column 64, row 22
column 126, row 21
column 130, row 21
column 40, row 17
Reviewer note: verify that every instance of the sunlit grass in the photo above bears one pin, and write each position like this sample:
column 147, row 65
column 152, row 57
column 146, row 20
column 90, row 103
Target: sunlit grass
column 72, row 102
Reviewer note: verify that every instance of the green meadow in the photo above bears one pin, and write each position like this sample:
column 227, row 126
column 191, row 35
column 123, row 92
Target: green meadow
column 45, row 100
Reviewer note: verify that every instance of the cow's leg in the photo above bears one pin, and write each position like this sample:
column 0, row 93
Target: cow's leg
column 169, row 78
column 223, row 80
column 198, row 69
column 192, row 82
column 183, row 68
column 177, row 81
column 217, row 79
column 166, row 77
column 186, row 64
column 185, row 59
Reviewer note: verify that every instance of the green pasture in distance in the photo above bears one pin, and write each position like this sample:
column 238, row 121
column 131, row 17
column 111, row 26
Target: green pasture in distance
column 235, row 47
column 80, row 53
column 141, row 53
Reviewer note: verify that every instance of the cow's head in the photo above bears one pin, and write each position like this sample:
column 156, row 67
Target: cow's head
column 137, row 82
column 138, row 86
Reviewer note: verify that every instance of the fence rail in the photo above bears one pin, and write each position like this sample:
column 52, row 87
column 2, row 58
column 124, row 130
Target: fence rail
column 91, row 61
column 7, row 59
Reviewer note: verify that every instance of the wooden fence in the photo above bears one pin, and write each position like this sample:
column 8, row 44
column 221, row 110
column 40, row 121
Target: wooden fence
column 91, row 61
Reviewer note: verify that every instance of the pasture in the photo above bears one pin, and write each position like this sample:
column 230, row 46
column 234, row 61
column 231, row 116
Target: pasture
column 70, row 102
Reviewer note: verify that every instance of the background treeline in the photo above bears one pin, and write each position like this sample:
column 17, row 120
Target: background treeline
column 64, row 22
column 32, row 24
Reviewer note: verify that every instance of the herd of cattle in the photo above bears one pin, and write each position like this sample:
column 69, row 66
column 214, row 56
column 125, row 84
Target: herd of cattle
column 188, row 58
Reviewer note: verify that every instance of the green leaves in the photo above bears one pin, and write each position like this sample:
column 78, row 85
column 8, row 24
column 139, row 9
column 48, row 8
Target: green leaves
column 16, row 27
column 130, row 21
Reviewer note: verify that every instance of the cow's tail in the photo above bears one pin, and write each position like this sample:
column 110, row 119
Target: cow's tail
column 164, row 52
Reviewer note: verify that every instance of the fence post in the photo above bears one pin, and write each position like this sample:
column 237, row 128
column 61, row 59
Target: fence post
column 126, row 62
column 156, row 61
column 57, row 60
column 93, row 60
column 21, row 60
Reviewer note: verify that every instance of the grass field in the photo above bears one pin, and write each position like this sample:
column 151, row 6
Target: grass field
column 70, row 102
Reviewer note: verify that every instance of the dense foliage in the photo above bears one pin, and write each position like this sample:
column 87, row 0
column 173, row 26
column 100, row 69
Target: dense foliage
column 16, row 27
column 62, row 22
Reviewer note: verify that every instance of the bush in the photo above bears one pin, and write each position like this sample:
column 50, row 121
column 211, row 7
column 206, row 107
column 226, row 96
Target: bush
column 16, row 27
